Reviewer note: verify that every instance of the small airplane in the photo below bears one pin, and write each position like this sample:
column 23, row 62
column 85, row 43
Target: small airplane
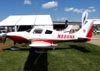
column 44, row 37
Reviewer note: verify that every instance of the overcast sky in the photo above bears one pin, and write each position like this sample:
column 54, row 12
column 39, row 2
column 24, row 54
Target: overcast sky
column 59, row 10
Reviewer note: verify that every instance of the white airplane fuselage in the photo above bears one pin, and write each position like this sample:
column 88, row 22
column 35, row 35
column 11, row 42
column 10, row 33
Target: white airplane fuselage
column 48, row 35
column 44, row 37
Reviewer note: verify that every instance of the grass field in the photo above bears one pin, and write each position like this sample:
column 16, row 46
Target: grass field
column 69, row 57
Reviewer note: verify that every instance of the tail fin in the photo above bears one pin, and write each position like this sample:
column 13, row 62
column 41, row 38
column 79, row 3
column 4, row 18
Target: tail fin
column 84, row 18
column 86, row 30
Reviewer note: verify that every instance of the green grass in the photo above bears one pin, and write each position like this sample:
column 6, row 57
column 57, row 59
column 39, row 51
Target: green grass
column 72, row 57
column 12, row 60
column 83, row 57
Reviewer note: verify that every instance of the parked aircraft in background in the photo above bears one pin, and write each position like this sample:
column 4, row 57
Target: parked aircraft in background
column 2, row 31
column 70, row 28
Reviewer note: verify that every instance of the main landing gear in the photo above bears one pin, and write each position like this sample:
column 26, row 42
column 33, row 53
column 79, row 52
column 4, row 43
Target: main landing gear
column 14, row 47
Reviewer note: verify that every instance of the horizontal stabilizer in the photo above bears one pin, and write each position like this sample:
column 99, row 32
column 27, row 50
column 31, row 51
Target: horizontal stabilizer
column 89, row 38
column 95, row 38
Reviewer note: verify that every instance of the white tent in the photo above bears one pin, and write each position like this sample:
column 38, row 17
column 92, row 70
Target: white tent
column 96, row 21
column 37, row 20
column 9, row 21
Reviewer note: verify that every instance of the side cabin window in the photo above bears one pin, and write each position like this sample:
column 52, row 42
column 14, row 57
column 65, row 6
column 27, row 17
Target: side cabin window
column 37, row 31
column 48, row 32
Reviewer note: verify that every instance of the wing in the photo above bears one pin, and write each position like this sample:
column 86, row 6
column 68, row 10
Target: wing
column 41, row 44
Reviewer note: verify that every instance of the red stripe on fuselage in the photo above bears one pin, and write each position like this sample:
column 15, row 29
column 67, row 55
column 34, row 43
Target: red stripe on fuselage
column 89, row 35
column 18, row 39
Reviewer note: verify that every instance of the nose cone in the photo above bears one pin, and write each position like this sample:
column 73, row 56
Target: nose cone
column 18, row 37
column 11, row 33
